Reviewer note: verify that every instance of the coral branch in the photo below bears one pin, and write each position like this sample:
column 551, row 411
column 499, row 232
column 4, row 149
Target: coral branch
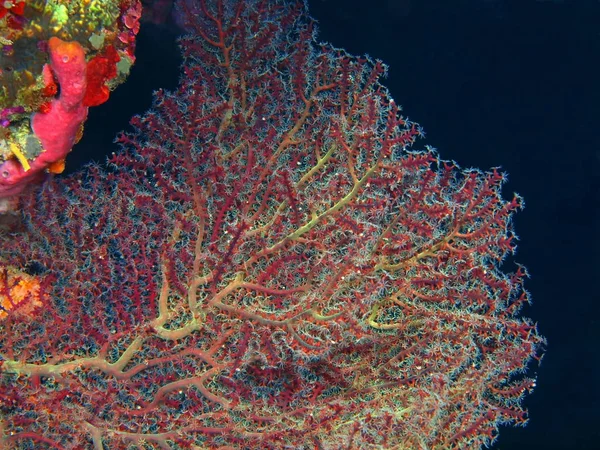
column 266, row 264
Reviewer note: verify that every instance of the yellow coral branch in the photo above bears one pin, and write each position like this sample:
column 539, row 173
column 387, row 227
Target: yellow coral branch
column 14, row 148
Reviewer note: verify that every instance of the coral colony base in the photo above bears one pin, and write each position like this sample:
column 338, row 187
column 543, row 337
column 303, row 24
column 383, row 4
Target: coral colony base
column 265, row 263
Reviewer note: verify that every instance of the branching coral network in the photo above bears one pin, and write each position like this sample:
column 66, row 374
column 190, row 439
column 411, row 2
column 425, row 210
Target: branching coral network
column 267, row 264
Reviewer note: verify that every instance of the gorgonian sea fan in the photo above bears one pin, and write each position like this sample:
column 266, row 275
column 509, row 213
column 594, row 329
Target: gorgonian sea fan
column 266, row 264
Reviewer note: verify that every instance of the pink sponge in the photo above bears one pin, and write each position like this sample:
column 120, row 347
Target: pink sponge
column 56, row 129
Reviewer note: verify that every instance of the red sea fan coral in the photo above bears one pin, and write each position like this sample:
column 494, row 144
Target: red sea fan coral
column 267, row 264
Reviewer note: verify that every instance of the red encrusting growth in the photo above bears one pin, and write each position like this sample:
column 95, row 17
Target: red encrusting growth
column 267, row 264
column 100, row 69
column 15, row 11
